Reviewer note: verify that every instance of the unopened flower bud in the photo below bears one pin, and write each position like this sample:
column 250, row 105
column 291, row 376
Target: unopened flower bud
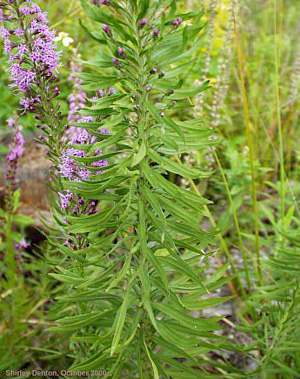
column 177, row 22
column 121, row 51
column 143, row 22
column 106, row 29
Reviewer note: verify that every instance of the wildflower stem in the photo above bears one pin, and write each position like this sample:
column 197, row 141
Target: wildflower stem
column 250, row 144
column 280, row 138
column 236, row 221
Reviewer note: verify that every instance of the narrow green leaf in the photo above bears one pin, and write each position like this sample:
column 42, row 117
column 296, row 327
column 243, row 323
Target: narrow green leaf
column 171, row 166
column 155, row 371
column 120, row 320
column 198, row 324
column 144, row 6
column 122, row 273
column 140, row 155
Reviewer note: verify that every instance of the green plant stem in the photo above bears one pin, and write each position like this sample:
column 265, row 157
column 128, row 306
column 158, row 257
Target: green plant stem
column 11, row 282
column 280, row 138
column 142, row 135
column 250, row 144
column 236, row 221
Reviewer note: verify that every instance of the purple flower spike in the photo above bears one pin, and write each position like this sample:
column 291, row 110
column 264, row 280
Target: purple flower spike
column 37, row 49
column 111, row 91
column 106, row 29
column 69, row 168
column 115, row 61
column 143, row 22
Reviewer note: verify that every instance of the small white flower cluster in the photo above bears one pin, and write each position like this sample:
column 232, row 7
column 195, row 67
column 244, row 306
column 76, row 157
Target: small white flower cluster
column 64, row 38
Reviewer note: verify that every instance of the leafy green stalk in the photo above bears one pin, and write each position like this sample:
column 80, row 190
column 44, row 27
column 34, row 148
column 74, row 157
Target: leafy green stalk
column 142, row 273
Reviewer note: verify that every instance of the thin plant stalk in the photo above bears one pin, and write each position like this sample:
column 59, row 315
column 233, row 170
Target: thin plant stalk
column 277, row 157
column 250, row 144
column 280, row 138
column 236, row 221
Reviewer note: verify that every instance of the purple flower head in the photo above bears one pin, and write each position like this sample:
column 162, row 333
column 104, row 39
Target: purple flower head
column 26, row 10
column 87, row 119
column 115, row 61
column 105, row 132
column 148, row 88
column 23, row 244
column 21, row 78
column 111, row 91
column 101, row 163
column 11, row 122
column 21, row 248
column 4, row 32
column 65, row 198
column 19, row 32
column 153, row 70
column 143, row 22
column 80, row 136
